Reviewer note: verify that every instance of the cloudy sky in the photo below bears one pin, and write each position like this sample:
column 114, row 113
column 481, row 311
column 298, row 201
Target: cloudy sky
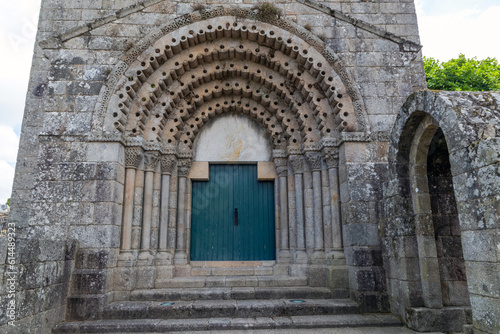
column 447, row 28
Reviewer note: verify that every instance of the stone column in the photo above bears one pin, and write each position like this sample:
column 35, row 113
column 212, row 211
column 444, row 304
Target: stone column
column 331, row 155
column 297, row 163
column 314, row 160
column 183, row 166
column 172, row 213
column 167, row 163
column 133, row 157
column 327, row 216
column 308, row 210
column 138, row 207
column 150, row 162
column 292, row 211
column 281, row 165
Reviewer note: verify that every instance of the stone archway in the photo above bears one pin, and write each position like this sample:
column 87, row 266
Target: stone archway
column 433, row 203
column 215, row 62
column 442, row 268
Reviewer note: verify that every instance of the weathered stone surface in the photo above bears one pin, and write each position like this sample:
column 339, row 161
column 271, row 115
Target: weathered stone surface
column 225, row 81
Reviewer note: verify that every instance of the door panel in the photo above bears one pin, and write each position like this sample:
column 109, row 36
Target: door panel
column 214, row 234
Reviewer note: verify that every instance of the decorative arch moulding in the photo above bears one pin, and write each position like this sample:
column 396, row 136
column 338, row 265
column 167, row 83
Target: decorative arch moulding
column 281, row 74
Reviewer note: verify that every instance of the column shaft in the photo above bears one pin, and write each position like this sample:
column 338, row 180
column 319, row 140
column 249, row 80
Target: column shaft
column 318, row 211
column 299, row 207
column 181, row 256
column 333, row 176
column 283, row 212
column 138, row 209
column 327, row 216
column 172, row 216
column 309, row 211
column 292, row 213
column 147, row 211
column 165, row 193
column 128, row 209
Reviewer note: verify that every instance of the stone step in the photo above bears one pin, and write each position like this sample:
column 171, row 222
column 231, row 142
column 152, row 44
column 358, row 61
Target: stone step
column 230, row 324
column 232, row 268
column 237, row 293
column 232, row 271
column 169, row 309
column 230, row 281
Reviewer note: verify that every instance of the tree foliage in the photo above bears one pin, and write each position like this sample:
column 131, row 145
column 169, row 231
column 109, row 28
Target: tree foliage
column 8, row 202
column 463, row 74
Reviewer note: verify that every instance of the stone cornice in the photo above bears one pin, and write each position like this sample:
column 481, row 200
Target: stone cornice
column 405, row 45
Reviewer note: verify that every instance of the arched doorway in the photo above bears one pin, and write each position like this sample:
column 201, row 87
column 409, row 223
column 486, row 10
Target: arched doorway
column 232, row 214
column 442, row 266
column 423, row 236
column 171, row 85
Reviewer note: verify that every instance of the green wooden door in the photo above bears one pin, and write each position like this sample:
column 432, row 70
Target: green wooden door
column 218, row 233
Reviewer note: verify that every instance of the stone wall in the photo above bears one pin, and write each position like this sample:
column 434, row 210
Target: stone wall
column 423, row 291
column 42, row 281
column 67, row 187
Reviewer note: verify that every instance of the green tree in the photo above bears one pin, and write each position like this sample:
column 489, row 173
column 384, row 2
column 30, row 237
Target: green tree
column 463, row 74
column 8, row 202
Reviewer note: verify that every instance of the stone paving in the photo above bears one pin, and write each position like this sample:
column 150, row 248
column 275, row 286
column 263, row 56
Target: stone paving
column 366, row 330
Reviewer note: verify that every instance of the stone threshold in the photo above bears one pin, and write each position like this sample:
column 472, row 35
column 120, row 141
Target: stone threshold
column 231, row 264
column 231, row 281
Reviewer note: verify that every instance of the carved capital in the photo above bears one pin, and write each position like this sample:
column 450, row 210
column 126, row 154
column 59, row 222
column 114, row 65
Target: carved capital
column 183, row 166
column 133, row 157
column 281, row 165
column 151, row 160
column 167, row 163
column 331, row 155
column 297, row 163
column 314, row 160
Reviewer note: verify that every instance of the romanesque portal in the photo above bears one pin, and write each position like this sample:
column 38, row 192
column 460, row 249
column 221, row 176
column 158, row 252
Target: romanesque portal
column 250, row 166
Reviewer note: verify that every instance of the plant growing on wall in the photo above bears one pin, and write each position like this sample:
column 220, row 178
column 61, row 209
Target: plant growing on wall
column 267, row 9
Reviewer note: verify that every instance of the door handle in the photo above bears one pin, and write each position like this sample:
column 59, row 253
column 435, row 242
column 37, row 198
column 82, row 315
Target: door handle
column 236, row 217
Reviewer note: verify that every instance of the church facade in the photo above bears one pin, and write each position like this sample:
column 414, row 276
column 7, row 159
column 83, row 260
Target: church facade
column 220, row 144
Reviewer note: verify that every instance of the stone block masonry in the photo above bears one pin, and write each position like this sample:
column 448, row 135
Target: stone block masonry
column 121, row 90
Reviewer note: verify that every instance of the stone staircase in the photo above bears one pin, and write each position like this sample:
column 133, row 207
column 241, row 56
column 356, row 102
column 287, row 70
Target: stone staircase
column 227, row 303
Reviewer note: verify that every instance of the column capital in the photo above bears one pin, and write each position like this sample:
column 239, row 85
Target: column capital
column 281, row 165
column 167, row 163
column 297, row 162
column 331, row 155
column 133, row 157
column 183, row 166
column 151, row 160
column 314, row 160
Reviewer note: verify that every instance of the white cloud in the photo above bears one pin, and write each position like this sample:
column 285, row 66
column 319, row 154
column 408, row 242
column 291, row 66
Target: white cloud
column 466, row 28
column 9, row 143
column 6, row 179
column 18, row 21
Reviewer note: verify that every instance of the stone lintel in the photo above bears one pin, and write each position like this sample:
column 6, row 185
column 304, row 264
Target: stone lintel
column 266, row 171
column 199, row 171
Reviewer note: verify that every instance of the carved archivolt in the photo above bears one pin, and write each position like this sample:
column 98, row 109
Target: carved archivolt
column 229, row 60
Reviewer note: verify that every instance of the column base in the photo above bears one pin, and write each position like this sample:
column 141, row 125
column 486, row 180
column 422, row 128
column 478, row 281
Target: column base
column 337, row 254
column 284, row 256
column 180, row 257
column 301, row 257
column 126, row 258
column 318, row 257
column 145, row 257
column 163, row 258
